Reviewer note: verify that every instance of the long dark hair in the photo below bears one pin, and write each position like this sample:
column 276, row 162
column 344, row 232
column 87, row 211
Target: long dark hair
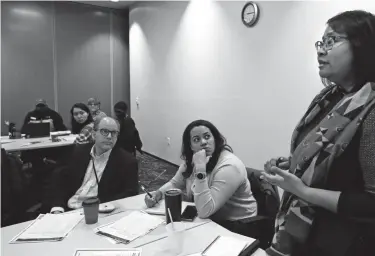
column 77, row 127
column 359, row 27
column 187, row 153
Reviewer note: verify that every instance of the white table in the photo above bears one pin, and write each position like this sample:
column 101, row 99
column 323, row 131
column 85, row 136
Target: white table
column 197, row 236
column 35, row 143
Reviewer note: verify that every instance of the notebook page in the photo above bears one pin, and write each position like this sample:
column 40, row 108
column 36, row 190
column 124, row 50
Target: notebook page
column 104, row 252
column 226, row 246
column 51, row 226
column 159, row 208
column 134, row 225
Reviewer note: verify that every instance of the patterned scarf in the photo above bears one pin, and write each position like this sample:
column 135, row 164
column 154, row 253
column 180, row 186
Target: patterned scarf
column 312, row 158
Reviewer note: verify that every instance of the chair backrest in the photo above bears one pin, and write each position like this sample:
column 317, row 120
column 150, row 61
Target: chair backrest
column 37, row 130
column 266, row 195
column 12, row 187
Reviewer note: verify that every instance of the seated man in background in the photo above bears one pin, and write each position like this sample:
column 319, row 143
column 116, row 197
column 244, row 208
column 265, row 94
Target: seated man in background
column 36, row 157
column 43, row 112
column 94, row 106
column 98, row 169
column 129, row 136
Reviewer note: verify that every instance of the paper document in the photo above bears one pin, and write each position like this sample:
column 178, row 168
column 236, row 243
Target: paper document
column 130, row 227
column 226, row 246
column 159, row 208
column 109, row 252
column 49, row 227
column 60, row 133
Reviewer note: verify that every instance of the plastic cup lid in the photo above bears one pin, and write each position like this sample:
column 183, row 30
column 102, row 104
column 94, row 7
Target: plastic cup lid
column 173, row 192
column 91, row 200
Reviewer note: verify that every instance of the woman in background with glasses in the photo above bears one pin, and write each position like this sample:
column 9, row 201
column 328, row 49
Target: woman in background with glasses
column 328, row 206
column 82, row 123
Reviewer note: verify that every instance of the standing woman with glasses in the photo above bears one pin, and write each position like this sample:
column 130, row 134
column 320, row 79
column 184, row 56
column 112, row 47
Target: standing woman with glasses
column 328, row 207
column 82, row 123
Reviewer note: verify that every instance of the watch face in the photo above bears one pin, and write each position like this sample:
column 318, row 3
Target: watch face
column 250, row 13
column 200, row 176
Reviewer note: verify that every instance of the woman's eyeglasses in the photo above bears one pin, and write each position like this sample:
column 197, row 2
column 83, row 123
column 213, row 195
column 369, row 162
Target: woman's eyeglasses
column 328, row 42
column 79, row 113
column 105, row 132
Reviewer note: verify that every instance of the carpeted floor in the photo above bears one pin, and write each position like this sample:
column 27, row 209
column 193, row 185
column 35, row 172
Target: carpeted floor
column 149, row 170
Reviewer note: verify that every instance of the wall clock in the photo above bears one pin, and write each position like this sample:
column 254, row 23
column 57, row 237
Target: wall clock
column 250, row 14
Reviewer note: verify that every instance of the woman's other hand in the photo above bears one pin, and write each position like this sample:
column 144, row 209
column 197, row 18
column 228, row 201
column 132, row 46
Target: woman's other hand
column 285, row 180
column 281, row 162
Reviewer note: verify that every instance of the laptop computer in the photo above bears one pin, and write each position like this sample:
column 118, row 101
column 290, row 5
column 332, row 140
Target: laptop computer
column 38, row 129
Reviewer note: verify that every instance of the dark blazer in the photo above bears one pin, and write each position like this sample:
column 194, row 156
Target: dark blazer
column 119, row 179
column 129, row 136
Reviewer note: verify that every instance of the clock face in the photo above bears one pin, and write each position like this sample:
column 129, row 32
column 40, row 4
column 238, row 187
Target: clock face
column 250, row 13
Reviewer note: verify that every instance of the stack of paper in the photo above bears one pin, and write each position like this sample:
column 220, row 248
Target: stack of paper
column 130, row 227
column 109, row 252
column 226, row 246
column 159, row 208
column 60, row 133
column 49, row 227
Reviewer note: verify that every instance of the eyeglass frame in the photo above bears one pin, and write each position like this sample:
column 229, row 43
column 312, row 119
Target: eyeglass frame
column 324, row 44
column 93, row 104
column 103, row 131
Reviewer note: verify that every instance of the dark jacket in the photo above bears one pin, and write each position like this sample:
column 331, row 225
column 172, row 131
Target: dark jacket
column 58, row 122
column 119, row 179
column 129, row 138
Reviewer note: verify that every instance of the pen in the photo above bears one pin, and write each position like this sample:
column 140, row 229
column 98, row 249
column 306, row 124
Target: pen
column 144, row 189
column 208, row 247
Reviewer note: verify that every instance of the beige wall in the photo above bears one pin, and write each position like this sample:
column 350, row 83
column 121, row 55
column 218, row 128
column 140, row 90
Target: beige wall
column 197, row 60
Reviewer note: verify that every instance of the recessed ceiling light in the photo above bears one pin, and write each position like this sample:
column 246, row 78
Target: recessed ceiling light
column 114, row 0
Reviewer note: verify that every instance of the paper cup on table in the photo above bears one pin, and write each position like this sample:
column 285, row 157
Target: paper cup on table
column 91, row 210
column 55, row 138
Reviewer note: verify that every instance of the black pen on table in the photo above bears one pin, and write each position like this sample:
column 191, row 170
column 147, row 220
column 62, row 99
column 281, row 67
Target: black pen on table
column 144, row 189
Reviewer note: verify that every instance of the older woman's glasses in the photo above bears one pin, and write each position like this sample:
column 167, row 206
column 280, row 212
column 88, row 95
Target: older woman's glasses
column 105, row 132
column 328, row 42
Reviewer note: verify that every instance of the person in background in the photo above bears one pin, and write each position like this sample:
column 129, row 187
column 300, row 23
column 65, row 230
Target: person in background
column 82, row 123
column 116, row 171
column 39, row 173
column 129, row 136
column 328, row 207
column 43, row 112
column 214, row 178
column 94, row 106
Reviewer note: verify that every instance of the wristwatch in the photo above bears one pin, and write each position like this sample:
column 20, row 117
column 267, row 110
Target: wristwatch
column 200, row 175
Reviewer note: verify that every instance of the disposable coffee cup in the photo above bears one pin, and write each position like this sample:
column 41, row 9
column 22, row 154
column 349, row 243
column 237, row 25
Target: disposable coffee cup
column 91, row 209
column 173, row 199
